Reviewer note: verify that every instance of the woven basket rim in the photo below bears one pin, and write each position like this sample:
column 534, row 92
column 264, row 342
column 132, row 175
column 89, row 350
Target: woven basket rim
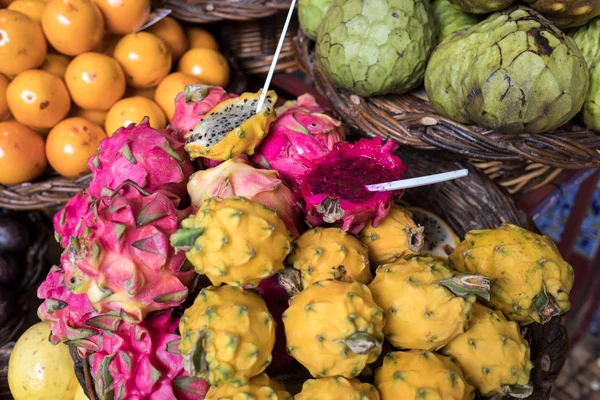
column 410, row 120
column 209, row 11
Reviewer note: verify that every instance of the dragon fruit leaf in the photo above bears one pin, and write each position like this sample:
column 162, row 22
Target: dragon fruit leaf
column 127, row 153
column 195, row 93
column 184, row 239
column 194, row 362
column 175, row 297
column 173, row 346
column 105, row 322
column 54, row 305
column 187, row 385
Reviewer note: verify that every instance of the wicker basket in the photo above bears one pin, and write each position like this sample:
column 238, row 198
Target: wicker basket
column 473, row 202
column 207, row 11
column 516, row 161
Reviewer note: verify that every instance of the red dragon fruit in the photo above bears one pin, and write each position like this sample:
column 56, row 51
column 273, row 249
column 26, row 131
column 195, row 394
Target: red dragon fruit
column 299, row 136
column 153, row 159
column 67, row 222
column 334, row 188
column 237, row 178
column 142, row 361
column 123, row 259
column 193, row 103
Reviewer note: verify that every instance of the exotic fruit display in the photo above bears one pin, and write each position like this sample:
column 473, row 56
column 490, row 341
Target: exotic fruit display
column 150, row 158
column 334, row 188
column 395, row 237
column 377, row 47
column 425, row 305
column 300, row 135
column 335, row 388
column 330, row 253
column 449, row 18
column 236, row 178
column 567, row 13
column 234, row 241
column 530, row 280
column 481, row 6
column 260, row 387
column 492, row 354
column 232, row 128
column 334, row 328
column 504, row 62
column 227, row 335
column 122, row 259
column 420, row 374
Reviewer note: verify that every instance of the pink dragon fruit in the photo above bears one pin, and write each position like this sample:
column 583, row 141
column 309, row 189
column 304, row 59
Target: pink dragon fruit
column 123, row 259
column 153, row 159
column 236, row 177
column 304, row 102
column 334, row 188
column 299, row 136
column 142, row 361
column 193, row 103
column 67, row 222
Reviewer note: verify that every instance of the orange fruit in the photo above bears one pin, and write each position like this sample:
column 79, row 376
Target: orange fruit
column 131, row 110
column 71, row 143
column 22, row 156
column 22, row 43
column 5, row 3
column 95, row 81
column 73, row 27
column 97, row 117
column 167, row 90
column 172, row 34
column 147, row 92
column 198, row 38
column 124, row 16
column 38, row 99
column 107, row 45
column 208, row 65
column 4, row 111
column 145, row 59
column 32, row 8
column 56, row 64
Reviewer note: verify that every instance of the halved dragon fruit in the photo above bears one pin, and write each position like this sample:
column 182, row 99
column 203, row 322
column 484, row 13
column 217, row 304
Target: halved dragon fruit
column 194, row 103
column 298, row 137
column 334, row 188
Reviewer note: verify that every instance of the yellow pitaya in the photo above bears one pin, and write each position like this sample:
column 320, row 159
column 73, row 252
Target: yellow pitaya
column 234, row 241
column 425, row 305
column 330, row 253
column 530, row 280
column 260, row 387
column 232, row 128
column 395, row 237
column 492, row 354
column 227, row 335
column 336, row 388
column 421, row 374
column 334, row 328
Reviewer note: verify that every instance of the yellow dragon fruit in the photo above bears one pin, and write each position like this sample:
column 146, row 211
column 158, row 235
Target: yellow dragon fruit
column 492, row 354
column 418, row 374
column 336, row 388
column 234, row 241
column 232, row 128
column 395, row 237
column 425, row 305
column 330, row 253
column 260, row 387
column 227, row 335
column 334, row 328
column 530, row 280
column 235, row 178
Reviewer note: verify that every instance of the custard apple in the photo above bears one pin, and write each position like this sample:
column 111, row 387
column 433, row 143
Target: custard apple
column 482, row 6
column 311, row 14
column 567, row 13
column 449, row 18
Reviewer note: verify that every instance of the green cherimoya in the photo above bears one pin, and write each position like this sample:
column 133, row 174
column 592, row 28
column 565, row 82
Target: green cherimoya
column 567, row 13
column 587, row 38
column 311, row 14
column 376, row 47
column 516, row 73
column 482, row 6
column 591, row 105
column 449, row 18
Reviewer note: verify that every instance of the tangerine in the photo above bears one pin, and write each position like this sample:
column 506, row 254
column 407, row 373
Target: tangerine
column 169, row 88
column 145, row 59
column 22, row 156
column 131, row 110
column 208, row 65
column 22, row 43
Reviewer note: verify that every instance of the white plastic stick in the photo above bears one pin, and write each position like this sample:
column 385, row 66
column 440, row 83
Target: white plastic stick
column 263, row 94
column 415, row 182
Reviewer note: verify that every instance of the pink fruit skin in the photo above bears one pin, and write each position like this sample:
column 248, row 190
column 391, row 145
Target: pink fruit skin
column 193, row 103
column 153, row 159
column 123, row 259
column 67, row 220
column 143, row 363
column 236, row 178
column 334, row 188
column 298, row 137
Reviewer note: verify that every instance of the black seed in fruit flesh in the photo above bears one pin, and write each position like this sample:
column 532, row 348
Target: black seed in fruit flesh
column 10, row 270
column 13, row 235
column 7, row 303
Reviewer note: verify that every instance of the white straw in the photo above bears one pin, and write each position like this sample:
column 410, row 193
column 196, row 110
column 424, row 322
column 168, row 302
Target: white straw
column 263, row 94
column 415, row 182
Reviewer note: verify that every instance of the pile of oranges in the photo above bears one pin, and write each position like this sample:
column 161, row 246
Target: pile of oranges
column 73, row 71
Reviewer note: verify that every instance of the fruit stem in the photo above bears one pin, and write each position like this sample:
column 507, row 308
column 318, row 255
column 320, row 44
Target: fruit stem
column 290, row 279
column 416, row 239
column 519, row 391
column 545, row 306
column 361, row 342
column 465, row 285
